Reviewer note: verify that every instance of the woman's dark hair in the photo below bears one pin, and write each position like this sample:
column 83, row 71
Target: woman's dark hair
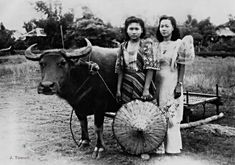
column 175, row 32
column 134, row 19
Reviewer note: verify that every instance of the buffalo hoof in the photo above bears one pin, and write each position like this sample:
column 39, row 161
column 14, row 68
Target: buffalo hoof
column 83, row 145
column 98, row 153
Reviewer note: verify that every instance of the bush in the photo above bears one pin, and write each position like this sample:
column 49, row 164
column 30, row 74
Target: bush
column 5, row 38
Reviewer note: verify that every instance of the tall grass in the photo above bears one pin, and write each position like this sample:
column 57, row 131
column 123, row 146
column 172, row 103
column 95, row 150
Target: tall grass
column 201, row 76
column 205, row 73
column 17, row 69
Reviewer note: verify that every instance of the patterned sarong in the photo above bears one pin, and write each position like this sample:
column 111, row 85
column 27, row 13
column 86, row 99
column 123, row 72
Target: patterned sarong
column 132, row 86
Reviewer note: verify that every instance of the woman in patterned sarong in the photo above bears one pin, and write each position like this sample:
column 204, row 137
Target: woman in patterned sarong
column 135, row 63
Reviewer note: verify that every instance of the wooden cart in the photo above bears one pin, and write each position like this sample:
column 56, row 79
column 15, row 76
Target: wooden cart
column 192, row 99
column 129, row 120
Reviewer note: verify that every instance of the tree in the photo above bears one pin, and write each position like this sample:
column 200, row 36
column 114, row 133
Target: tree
column 6, row 39
column 189, row 20
column 51, row 24
column 231, row 22
column 91, row 27
column 207, row 30
column 190, row 27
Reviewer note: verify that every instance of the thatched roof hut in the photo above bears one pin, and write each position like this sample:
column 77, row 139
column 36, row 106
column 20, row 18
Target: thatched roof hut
column 225, row 32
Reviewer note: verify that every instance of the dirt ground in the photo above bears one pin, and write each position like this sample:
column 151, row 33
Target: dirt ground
column 35, row 130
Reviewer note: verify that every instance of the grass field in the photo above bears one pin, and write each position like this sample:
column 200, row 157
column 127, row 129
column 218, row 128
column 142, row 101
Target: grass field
column 201, row 76
column 205, row 73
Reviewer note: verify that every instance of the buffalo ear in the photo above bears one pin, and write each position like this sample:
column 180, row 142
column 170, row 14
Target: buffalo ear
column 31, row 56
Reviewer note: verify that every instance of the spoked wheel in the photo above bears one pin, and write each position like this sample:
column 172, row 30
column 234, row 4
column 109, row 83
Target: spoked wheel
column 139, row 127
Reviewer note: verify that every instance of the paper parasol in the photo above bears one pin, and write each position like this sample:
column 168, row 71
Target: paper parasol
column 139, row 127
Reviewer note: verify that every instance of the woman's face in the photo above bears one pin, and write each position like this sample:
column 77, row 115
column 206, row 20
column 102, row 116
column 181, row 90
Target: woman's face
column 166, row 28
column 134, row 31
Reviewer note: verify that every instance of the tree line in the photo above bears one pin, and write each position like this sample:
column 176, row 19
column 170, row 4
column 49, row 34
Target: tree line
column 74, row 30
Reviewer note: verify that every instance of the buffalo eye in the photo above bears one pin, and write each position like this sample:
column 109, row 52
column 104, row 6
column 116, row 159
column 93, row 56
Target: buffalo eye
column 62, row 63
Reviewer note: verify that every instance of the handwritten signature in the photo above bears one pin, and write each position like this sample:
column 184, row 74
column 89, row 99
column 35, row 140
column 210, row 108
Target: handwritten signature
column 18, row 157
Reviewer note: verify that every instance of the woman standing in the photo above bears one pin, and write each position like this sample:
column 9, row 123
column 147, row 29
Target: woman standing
column 135, row 63
column 173, row 54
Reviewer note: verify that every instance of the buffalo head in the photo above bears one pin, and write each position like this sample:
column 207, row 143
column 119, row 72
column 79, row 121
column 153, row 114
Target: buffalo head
column 55, row 66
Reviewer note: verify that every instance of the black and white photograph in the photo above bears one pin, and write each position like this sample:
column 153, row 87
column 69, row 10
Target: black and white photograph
column 117, row 82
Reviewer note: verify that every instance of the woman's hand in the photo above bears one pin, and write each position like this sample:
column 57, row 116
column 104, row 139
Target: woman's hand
column 171, row 119
column 146, row 96
column 118, row 96
column 170, row 122
column 177, row 91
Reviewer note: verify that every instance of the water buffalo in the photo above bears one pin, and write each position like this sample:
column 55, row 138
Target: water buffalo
column 64, row 72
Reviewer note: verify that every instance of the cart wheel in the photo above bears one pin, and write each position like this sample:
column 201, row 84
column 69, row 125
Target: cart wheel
column 139, row 127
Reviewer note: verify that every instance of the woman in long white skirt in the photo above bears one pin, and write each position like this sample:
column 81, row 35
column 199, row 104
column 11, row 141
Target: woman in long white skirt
column 173, row 53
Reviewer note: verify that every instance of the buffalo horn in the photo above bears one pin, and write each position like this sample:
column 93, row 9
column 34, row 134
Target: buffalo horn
column 6, row 49
column 31, row 56
column 81, row 52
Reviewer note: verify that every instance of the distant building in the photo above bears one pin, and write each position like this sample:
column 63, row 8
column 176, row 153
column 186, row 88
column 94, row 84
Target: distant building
column 225, row 38
column 38, row 32
column 225, row 32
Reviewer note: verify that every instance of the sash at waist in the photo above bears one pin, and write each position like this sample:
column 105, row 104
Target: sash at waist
column 132, row 71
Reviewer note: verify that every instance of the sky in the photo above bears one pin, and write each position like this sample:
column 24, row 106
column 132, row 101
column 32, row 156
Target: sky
column 13, row 13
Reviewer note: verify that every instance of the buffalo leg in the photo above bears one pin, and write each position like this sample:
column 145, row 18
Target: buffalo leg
column 99, row 149
column 85, row 141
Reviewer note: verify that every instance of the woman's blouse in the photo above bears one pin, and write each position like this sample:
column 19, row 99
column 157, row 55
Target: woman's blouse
column 176, row 52
column 186, row 53
column 141, row 60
